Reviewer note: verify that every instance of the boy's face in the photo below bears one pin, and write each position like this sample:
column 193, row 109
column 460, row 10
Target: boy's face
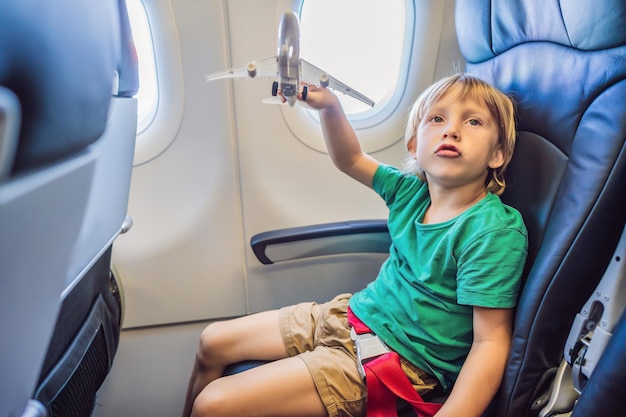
column 457, row 141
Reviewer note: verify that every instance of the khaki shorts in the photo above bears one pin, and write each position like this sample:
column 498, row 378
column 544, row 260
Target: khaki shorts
column 320, row 335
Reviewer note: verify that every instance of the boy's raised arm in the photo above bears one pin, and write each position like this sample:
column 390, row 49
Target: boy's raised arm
column 341, row 140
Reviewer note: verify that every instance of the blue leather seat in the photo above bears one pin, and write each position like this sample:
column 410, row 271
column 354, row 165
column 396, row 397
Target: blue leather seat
column 565, row 65
column 68, row 72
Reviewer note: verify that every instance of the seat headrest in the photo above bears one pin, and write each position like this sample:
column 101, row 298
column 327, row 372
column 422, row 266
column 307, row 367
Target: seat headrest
column 504, row 24
column 533, row 49
column 60, row 58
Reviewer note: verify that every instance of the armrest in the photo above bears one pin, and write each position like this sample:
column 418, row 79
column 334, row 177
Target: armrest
column 356, row 236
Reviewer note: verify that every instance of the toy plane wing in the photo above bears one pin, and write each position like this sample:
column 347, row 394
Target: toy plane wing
column 262, row 68
column 314, row 75
column 266, row 68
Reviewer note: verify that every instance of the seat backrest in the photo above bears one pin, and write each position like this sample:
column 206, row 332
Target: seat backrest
column 60, row 63
column 58, row 58
column 564, row 62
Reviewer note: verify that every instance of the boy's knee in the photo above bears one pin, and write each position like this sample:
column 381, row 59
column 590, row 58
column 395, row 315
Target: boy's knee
column 210, row 402
column 202, row 406
column 210, row 342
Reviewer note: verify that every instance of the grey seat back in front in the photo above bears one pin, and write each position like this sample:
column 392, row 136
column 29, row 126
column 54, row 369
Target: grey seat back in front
column 564, row 62
column 67, row 131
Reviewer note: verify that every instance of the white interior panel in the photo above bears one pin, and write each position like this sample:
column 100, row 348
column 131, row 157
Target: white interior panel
column 150, row 373
column 183, row 258
column 312, row 279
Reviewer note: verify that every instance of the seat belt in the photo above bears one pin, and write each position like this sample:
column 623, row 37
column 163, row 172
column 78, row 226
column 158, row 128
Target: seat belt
column 385, row 379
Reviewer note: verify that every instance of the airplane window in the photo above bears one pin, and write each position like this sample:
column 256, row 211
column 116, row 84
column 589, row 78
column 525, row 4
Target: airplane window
column 360, row 42
column 147, row 97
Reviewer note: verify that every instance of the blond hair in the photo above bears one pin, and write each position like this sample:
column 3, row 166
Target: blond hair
column 500, row 106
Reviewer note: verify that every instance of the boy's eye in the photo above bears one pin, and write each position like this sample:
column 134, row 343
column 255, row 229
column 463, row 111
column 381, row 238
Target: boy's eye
column 436, row 119
column 474, row 122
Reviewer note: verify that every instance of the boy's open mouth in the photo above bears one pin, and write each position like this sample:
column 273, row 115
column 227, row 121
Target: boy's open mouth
column 447, row 151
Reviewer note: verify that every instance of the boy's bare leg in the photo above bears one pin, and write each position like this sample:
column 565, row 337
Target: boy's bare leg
column 222, row 343
column 280, row 388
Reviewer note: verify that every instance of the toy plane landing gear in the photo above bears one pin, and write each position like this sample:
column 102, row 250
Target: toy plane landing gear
column 305, row 90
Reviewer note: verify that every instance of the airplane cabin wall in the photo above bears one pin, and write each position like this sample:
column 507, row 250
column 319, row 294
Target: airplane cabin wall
column 231, row 169
column 183, row 259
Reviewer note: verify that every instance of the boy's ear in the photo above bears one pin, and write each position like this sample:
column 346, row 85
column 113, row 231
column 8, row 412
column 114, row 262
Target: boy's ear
column 497, row 158
column 412, row 147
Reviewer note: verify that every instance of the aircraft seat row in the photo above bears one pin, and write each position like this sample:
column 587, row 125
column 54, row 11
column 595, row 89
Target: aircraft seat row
column 68, row 74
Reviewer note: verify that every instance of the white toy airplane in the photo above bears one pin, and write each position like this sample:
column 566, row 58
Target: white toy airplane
column 288, row 67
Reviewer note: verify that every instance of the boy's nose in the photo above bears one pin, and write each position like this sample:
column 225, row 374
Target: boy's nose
column 450, row 132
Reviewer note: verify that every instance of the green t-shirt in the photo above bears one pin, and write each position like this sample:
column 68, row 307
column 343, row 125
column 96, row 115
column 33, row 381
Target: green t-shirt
column 421, row 302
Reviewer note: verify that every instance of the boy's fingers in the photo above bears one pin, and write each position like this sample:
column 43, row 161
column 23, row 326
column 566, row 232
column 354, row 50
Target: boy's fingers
column 282, row 97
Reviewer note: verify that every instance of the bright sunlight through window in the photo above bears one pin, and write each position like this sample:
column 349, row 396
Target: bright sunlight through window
column 148, row 96
column 359, row 42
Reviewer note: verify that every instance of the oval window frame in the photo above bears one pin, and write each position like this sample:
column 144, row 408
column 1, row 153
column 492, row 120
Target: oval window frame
column 157, row 135
column 378, row 128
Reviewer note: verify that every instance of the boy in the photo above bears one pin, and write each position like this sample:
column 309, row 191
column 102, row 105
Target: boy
column 443, row 300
